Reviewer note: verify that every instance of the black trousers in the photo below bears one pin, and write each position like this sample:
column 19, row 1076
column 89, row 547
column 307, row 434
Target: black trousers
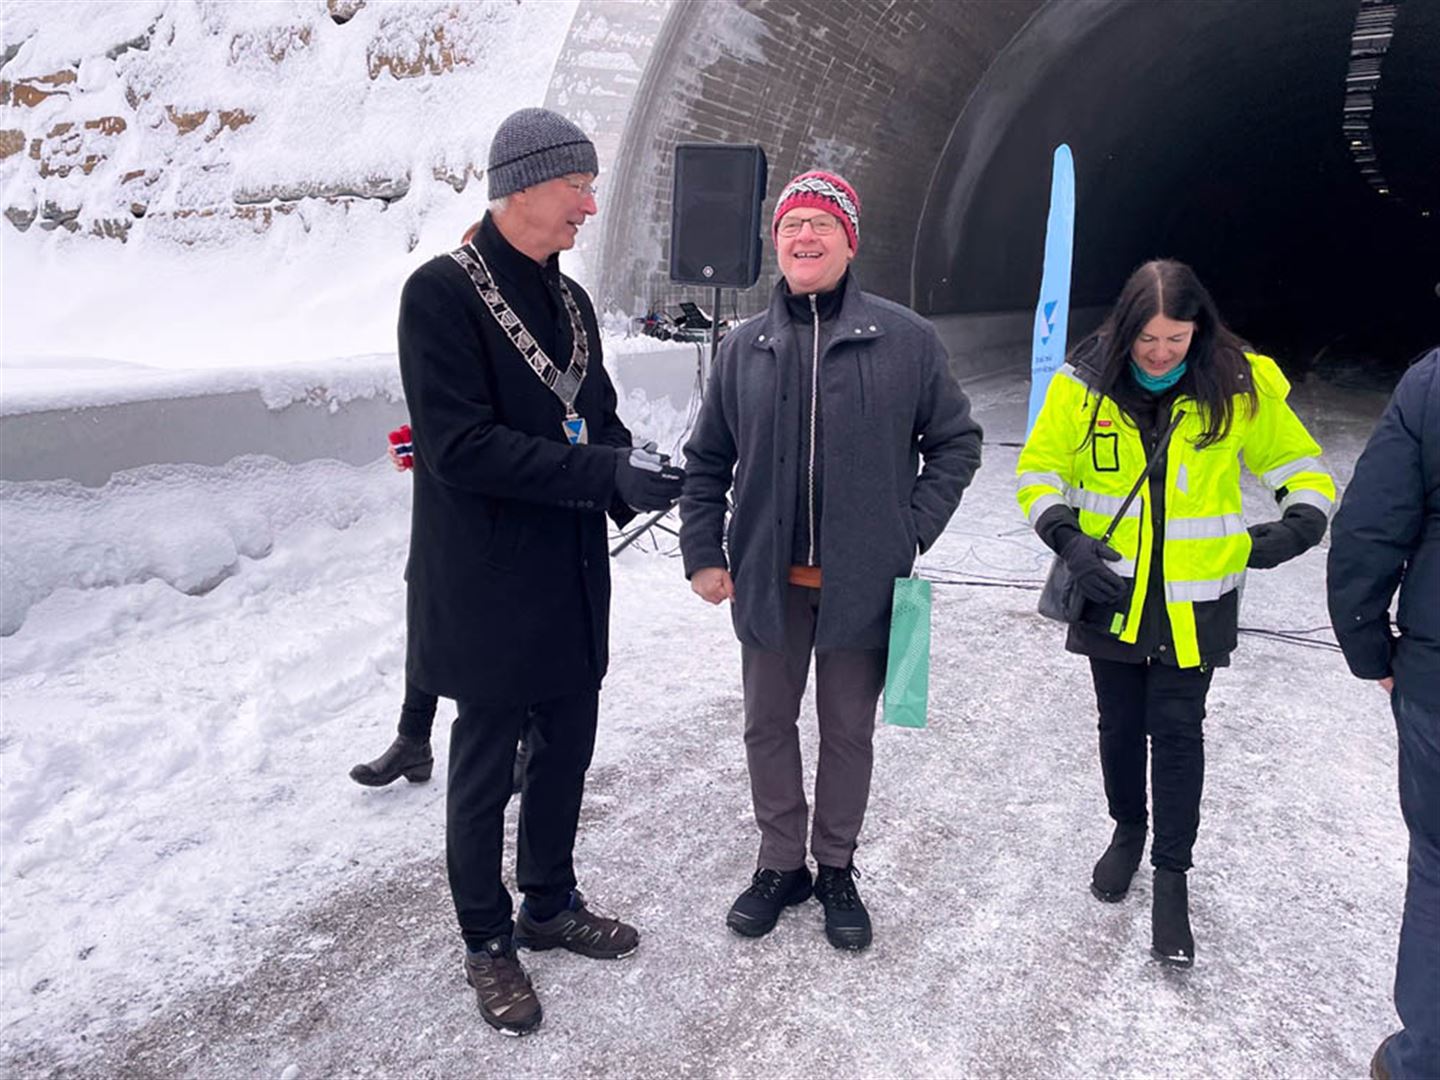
column 417, row 713
column 1167, row 704
column 561, row 739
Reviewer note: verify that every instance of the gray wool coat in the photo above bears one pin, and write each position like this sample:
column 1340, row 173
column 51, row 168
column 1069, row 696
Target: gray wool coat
column 889, row 400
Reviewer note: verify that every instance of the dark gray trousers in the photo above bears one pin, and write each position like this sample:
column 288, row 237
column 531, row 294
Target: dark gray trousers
column 847, row 686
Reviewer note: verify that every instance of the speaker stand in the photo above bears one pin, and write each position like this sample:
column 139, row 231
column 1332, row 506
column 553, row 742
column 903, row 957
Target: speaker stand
column 702, row 371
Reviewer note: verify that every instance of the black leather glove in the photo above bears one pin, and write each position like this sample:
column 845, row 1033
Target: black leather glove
column 645, row 480
column 1086, row 557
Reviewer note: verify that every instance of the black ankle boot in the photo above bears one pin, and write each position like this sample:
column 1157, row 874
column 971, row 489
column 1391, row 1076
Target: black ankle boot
column 1113, row 873
column 407, row 757
column 1171, row 941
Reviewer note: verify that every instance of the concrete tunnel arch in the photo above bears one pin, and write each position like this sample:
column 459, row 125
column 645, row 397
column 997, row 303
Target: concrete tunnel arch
column 1207, row 131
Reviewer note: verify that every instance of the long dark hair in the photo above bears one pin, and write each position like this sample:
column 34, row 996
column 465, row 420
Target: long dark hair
column 1216, row 372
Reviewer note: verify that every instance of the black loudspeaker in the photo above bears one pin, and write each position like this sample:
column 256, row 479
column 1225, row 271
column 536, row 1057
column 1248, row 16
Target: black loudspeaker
column 715, row 215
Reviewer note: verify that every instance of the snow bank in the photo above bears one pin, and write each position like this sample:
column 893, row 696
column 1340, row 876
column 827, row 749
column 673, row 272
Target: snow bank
column 30, row 383
column 191, row 526
column 42, row 383
column 188, row 526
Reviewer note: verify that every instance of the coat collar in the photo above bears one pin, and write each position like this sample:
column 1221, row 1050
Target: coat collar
column 513, row 265
column 858, row 319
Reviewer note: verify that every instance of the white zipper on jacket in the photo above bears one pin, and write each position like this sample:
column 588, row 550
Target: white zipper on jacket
column 814, row 406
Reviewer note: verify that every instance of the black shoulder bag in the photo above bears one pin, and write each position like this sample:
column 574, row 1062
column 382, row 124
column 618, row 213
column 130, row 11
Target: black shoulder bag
column 1060, row 598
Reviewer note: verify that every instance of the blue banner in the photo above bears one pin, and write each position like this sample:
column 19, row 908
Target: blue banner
column 1052, row 313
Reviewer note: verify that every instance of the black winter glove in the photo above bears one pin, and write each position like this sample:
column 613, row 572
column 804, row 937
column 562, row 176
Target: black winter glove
column 1275, row 542
column 645, row 480
column 1086, row 556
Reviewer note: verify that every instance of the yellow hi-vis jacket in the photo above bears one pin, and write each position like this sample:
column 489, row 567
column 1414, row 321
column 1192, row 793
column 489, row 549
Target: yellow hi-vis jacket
column 1206, row 545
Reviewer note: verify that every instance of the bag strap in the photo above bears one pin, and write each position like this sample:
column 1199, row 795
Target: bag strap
column 1149, row 468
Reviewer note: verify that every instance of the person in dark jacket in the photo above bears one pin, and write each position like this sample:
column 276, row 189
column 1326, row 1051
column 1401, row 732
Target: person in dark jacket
column 1162, row 595
column 409, row 753
column 519, row 454
column 822, row 409
column 1386, row 536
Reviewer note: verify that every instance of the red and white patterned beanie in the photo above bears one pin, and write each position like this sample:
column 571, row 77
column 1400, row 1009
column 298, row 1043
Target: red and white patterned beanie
column 818, row 190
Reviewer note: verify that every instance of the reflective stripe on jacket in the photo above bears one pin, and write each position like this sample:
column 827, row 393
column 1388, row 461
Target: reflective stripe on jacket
column 1206, row 543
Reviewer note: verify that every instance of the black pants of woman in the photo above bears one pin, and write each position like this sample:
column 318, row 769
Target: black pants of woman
column 417, row 713
column 1167, row 705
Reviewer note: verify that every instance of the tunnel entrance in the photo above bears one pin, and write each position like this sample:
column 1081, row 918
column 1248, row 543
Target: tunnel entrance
column 1214, row 133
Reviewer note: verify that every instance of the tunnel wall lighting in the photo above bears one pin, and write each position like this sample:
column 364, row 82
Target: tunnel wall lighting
column 1374, row 28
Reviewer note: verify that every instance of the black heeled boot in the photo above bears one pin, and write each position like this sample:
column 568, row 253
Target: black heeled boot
column 1116, row 868
column 1171, row 941
column 407, row 757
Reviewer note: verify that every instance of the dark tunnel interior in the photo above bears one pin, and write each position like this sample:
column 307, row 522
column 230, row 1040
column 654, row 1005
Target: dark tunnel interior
column 1214, row 133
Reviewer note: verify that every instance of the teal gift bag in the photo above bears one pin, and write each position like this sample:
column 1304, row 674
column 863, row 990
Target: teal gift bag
column 907, row 671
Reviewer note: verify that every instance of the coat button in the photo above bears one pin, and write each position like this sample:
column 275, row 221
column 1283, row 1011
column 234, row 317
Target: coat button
column 760, row 338
column 1162, row 647
column 858, row 330
column 872, row 328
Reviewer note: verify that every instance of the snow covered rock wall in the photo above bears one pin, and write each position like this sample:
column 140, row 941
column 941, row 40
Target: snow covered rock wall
column 206, row 119
column 188, row 183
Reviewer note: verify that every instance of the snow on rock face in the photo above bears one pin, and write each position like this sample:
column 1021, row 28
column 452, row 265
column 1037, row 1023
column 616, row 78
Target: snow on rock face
column 190, row 182
column 203, row 118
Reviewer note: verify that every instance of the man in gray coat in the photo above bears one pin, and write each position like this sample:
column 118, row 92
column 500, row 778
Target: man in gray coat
column 820, row 411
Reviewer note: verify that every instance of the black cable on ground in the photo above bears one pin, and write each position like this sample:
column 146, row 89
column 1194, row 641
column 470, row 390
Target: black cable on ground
column 1288, row 636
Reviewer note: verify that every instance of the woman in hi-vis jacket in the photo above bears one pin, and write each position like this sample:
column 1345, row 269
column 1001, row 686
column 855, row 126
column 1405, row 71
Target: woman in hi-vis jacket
column 1161, row 599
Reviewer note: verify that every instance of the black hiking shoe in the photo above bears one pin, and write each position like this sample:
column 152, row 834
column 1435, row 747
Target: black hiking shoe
column 578, row 929
column 757, row 909
column 1171, row 941
column 407, row 757
column 502, row 989
column 847, row 923
column 1113, row 873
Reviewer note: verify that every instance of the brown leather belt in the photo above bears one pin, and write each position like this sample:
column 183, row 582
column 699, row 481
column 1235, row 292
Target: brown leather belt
column 806, row 576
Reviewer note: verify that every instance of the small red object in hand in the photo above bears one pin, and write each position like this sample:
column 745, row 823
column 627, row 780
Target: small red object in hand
column 402, row 449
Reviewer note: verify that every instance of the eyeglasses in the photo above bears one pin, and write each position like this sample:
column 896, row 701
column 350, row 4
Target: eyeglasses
column 584, row 189
column 820, row 225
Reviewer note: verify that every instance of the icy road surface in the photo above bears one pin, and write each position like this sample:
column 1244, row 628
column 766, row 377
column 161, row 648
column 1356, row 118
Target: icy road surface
column 192, row 886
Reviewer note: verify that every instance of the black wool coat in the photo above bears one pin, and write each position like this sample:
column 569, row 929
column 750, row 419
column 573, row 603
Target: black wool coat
column 1386, row 535
column 509, row 576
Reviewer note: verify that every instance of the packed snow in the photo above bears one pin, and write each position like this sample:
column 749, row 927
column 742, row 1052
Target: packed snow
column 193, row 886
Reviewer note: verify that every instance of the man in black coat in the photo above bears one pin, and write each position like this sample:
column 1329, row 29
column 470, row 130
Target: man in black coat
column 1387, row 535
column 519, row 455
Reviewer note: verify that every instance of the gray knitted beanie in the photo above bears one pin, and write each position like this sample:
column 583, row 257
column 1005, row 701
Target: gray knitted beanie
column 535, row 145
